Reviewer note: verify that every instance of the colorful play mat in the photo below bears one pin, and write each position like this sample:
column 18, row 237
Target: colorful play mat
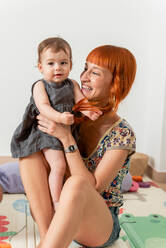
column 142, row 218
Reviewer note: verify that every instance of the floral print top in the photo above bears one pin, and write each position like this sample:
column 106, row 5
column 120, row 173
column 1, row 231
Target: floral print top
column 119, row 136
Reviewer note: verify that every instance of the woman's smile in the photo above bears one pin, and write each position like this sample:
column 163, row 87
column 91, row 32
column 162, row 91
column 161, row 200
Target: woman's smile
column 84, row 87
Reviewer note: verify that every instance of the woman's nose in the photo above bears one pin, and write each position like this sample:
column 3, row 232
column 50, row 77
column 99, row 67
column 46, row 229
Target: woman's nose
column 85, row 76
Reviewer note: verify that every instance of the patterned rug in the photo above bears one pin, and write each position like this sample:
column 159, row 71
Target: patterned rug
column 17, row 229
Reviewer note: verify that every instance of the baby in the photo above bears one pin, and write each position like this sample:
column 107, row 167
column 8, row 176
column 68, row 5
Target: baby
column 54, row 97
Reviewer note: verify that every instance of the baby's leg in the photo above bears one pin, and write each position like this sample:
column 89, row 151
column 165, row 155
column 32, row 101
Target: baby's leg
column 56, row 160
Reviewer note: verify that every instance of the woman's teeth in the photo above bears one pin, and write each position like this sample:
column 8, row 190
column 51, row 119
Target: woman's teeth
column 86, row 88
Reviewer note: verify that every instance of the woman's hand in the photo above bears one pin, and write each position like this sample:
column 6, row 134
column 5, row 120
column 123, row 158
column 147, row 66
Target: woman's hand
column 57, row 130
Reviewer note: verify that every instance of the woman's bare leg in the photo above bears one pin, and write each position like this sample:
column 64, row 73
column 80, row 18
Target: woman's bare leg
column 57, row 162
column 80, row 214
column 35, row 180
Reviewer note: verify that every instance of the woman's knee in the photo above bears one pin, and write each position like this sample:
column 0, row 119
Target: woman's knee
column 76, row 186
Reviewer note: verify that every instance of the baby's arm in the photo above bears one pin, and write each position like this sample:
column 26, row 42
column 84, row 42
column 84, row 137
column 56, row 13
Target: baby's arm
column 93, row 115
column 77, row 92
column 43, row 104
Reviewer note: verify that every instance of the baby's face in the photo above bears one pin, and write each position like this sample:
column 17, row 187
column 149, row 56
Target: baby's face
column 55, row 66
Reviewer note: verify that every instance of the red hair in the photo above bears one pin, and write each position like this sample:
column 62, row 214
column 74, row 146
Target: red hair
column 122, row 64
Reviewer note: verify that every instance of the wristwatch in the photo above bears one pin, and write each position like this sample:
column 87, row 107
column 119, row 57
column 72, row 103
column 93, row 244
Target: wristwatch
column 71, row 148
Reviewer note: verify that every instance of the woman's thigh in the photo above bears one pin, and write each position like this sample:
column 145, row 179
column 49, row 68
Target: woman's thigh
column 97, row 223
column 34, row 173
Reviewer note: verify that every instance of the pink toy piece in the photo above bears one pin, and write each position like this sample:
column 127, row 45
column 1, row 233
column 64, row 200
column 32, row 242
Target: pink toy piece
column 144, row 184
column 134, row 187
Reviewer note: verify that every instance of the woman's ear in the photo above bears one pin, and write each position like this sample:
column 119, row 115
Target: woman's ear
column 112, row 89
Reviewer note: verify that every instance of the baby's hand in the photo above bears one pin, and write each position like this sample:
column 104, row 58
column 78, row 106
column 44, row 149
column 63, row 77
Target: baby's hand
column 93, row 115
column 66, row 118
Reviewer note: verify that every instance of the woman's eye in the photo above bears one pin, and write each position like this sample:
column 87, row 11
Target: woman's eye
column 96, row 73
column 85, row 69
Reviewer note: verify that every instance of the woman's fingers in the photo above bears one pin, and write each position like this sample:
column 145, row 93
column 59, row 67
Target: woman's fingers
column 46, row 126
column 47, row 130
column 52, row 128
column 43, row 129
column 43, row 123
column 42, row 118
column 46, row 123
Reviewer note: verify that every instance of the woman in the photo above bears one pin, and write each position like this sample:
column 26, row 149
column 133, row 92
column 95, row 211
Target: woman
column 90, row 198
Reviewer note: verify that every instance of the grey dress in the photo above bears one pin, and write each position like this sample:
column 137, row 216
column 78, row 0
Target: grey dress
column 27, row 138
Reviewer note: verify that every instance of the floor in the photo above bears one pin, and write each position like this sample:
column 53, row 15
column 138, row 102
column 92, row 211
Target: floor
column 161, row 185
column 18, row 229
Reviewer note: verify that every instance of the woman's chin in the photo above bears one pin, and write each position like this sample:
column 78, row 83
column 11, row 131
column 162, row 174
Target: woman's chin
column 87, row 94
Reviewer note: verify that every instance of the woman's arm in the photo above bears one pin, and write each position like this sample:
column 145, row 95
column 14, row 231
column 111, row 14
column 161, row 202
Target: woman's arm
column 106, row 170
column 43, row 104
column 74, row 160
column 62, row 132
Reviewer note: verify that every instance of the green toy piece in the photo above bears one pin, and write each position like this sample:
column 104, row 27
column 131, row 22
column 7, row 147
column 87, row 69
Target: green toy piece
column 145, row 232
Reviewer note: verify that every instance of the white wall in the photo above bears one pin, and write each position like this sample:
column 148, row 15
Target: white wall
column 136, row 25
column 163, row 141
column 155, row 112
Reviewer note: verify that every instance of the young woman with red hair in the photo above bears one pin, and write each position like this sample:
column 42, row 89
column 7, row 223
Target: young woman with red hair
column 91, row 195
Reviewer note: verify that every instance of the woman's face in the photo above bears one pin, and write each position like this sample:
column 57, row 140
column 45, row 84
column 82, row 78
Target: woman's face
column 96, row 83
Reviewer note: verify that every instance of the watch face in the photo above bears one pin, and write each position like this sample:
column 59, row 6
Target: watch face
column 72, row 148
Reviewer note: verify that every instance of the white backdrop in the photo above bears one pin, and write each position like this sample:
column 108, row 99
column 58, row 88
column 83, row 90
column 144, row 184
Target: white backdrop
column 136, row 25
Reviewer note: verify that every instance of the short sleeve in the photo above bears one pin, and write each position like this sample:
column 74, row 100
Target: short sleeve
column 121, row 137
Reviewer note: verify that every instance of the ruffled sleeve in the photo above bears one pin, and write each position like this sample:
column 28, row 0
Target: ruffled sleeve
column 121, row 137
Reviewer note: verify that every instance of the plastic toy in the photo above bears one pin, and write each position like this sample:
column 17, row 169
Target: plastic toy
column 145, row 232
column 137, row 178
column 134, row 187
column 144, row 184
